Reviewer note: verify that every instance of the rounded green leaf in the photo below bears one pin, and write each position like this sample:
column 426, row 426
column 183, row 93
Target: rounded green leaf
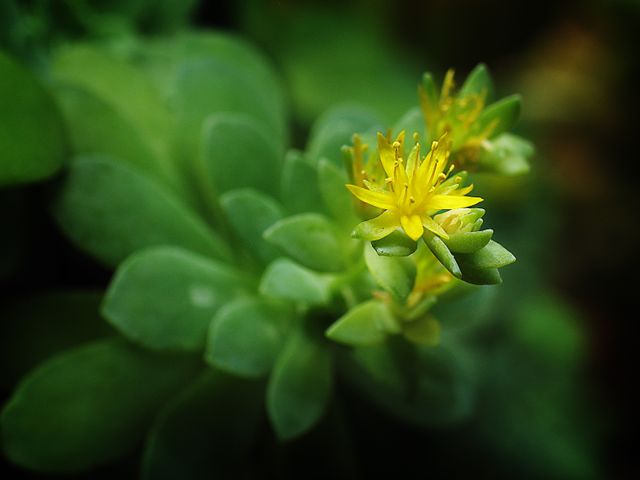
column 337, row 199
column 299, row 187
column 88, row 406
column 246, row 336
column 364, row 325
column 33, row 143
column 493, row 255
column 299, row 387
column 165, row 297
column 506, row 154
column 207, row 431
column 396, row 244
column 286, row 280
column 110, row 210
column 468, row 242
column 250, row 213
column 309, row 238
column 423, row 331
column 238, row 152
column 395, row 274
column 442, row 253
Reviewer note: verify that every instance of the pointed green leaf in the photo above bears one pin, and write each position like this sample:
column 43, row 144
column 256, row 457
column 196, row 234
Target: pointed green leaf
column 239, row 152
column 246, row 336
column 110, row 210
column 468, row 242
column 299, row 387
column 33, row 142
column 394, row 274
column 500, row 116
column 396, row 244
column 165, row 297
column 250, row 213
column 364, row 325
column 493, row 255
column 480, row 276
column 423, row 331
column 286, row 280
column 442, row 253
column 478, row 82
column 299, row 185
column 310, row 239
column 88, row 406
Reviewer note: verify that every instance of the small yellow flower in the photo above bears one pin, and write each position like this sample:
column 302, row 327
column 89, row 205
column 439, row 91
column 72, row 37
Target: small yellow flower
column 413, row 191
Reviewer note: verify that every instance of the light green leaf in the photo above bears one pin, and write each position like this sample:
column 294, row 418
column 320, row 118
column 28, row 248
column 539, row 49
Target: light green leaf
column 246, row 336
column 394, row 274
column 478, row 82
column 299, row 387
column 239, row 152
column 33, row 143
column 207, row 431
column 299, row 185
column 165, row 297
column 337, row 199
column 506, row 154
column 286, row 280
column 442, row 253
column 499, row 116
column 493, row 255
column 468, row 242
column 309, row 238
column 250, row 213
column 364, row 325
column 110, row 211
column 423, row 331
column 88, row 406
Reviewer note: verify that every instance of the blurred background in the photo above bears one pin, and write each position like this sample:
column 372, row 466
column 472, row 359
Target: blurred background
column 572, row 223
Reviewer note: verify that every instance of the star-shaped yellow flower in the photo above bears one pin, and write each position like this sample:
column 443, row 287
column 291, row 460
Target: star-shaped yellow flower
column 413, row 191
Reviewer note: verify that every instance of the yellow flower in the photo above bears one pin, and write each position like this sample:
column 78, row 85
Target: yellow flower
column 413, row 191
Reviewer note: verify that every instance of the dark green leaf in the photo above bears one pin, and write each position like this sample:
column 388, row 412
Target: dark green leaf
column 88, row 406
column 397, row 244
column 442, row 253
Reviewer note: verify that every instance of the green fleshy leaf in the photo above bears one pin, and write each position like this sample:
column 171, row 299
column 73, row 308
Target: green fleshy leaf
column 238, row 152
column 286, row 280
column 468, row 242
column 207, row 431
column 110, row 210
column 33, row 142
column 109, row 132
column 310, row 239
column 423, row 331
column 121, row 86
column 500, row 116
column 506, row 154
column 88, row 406
column 337, row 199
column 334, row 129
column 480, row 276
column 364, row 325
column 442, row 253
column 493, row 255
column 299, row 184
column 299, row 387
column 396, row 244
column 165, row 297
column 246, row 336
column 250, row 213
column 396, row 275
column 478, row 82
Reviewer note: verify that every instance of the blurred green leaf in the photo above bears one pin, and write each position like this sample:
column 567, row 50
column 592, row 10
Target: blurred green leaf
column 367, row 324
column 165, row 297
column 299, row 184
column 478, row 82
column 250, row 213
column 88, row 406
column 394, row 274
column 411, row 122
column 339, row 203
column 246, row 336
column 299, row 387
column 396, row 244
column 207, row 431
column 110, row 210
column 423, row 331
column 239, row 152
column 286, row 280
column 506, row 154
column 309, row 238
column 498, row 117
column 33, row 142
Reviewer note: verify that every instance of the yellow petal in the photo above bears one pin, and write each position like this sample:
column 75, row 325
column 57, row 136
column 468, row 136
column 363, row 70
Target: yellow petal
column 447, row 202
column 377, row 199
column 433, row 226
column 412, row 226
column 378, row 227
column 387, row 154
